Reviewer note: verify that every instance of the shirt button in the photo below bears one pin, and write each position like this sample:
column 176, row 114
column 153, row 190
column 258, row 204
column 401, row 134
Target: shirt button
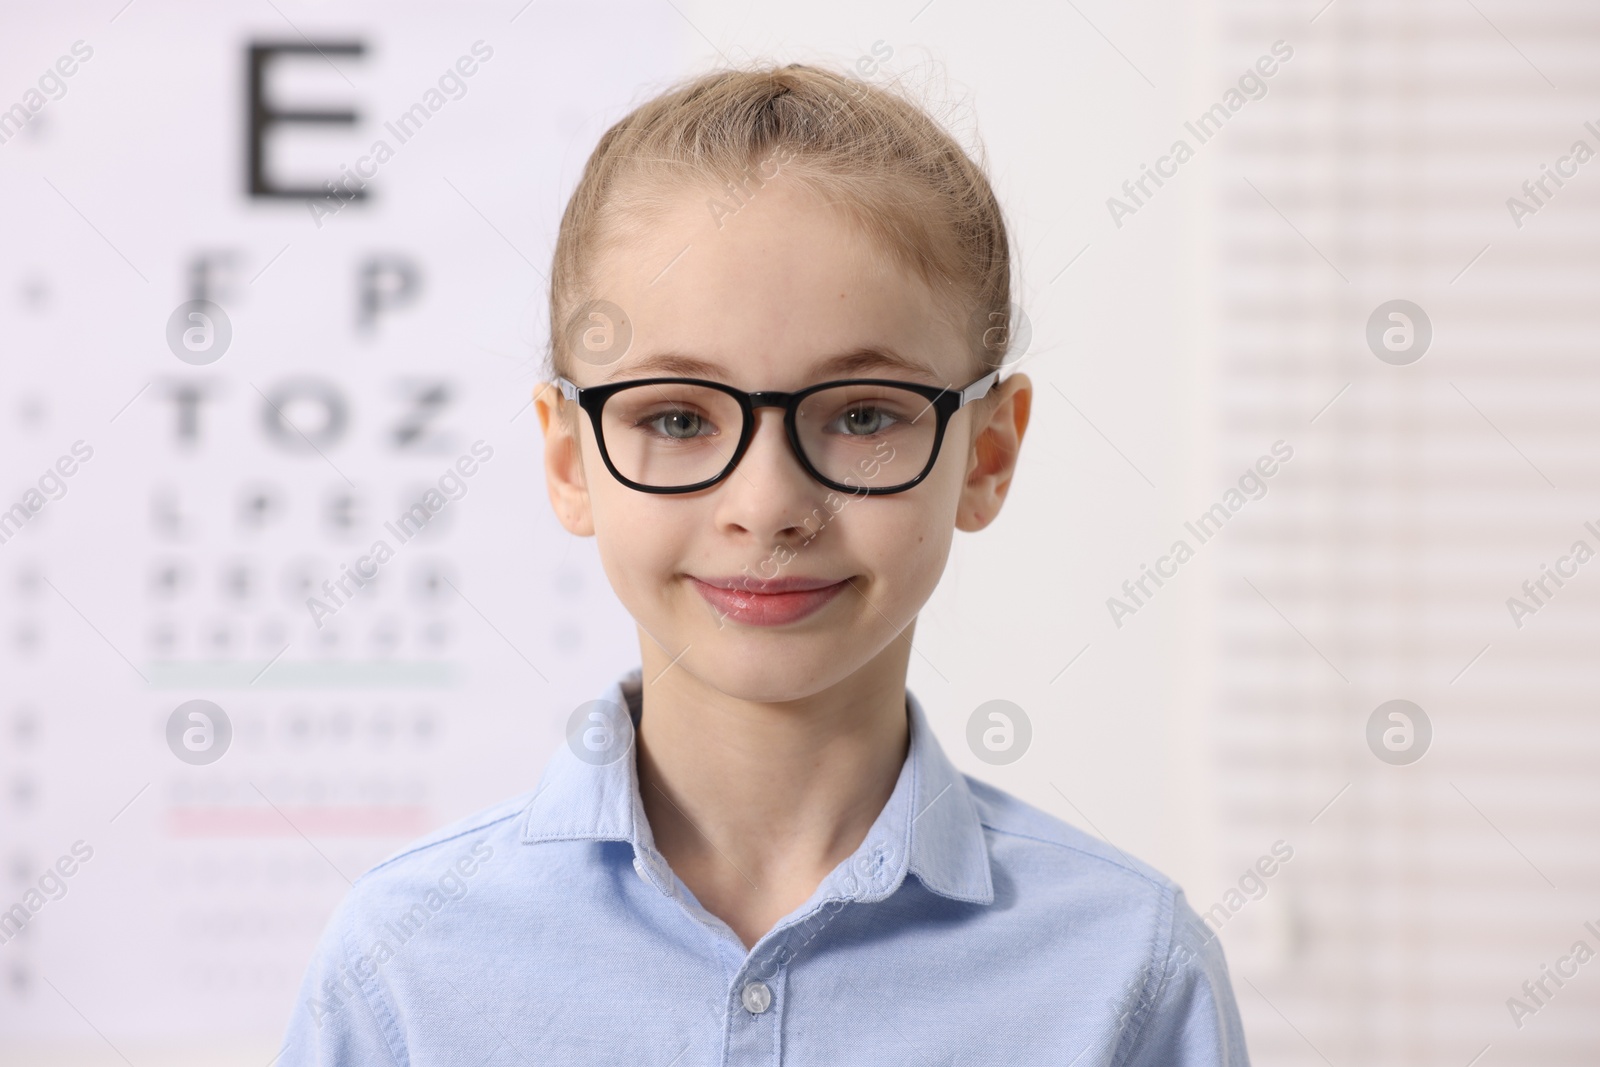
column 638, row 867
column 756, row 997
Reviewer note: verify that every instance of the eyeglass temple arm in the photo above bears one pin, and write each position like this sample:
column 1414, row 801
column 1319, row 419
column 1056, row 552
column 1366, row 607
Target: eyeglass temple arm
column 978, row 389
column 568, row 390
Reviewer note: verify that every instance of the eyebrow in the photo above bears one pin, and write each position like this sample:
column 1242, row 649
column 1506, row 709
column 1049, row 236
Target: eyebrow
column 845, row 364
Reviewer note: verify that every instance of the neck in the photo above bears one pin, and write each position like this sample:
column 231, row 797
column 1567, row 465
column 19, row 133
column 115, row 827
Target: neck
column 752, row 804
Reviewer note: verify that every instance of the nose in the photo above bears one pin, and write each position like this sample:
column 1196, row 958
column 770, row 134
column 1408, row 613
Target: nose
column 769, row 494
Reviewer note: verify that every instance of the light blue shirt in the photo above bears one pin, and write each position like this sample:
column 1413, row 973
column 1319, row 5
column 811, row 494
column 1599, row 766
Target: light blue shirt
column 968, row 928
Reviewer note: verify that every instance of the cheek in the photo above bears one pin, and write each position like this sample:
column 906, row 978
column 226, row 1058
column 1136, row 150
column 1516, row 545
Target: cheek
column 904, row 541
column 639, row 535
column 905, row 538
column 927, row 535
column 642, row 537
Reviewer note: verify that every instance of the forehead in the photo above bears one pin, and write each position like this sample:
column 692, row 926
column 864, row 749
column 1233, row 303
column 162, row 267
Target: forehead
column 773, row 292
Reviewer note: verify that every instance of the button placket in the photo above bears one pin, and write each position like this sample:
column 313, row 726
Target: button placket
column 756, row 1005
column 756, row 998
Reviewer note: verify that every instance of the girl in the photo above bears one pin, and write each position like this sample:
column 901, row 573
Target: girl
column 773, row 398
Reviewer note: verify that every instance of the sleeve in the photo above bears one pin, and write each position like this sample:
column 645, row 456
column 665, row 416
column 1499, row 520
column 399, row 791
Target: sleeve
column 1190, row 1018
column 340, row 1016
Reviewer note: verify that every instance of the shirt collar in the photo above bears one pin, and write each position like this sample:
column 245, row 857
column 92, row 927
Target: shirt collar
column 929, row 827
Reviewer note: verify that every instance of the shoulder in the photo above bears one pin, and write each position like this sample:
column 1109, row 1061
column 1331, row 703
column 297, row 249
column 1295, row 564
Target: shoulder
column 346, row 1009
column 1174, row 999
column 460, row 846
column 1017, row 828
column 1076, row 891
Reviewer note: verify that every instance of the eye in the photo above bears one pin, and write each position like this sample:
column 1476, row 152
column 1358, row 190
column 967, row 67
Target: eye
column 678, row 425
column 861, row 420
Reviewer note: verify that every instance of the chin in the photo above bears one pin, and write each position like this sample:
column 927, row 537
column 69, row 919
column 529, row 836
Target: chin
column 773, row 668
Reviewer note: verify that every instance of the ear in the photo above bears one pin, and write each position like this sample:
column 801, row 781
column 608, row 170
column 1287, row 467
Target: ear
column 992, row 459
column 563, row 459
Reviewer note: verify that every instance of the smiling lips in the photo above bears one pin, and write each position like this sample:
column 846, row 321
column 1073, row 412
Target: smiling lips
column 772, row 602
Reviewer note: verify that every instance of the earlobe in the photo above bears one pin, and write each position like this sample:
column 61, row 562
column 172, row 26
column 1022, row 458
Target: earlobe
column 564, row 472
column 993, row 459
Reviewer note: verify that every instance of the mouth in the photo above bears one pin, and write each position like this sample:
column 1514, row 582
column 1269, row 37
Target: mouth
column 768, row 602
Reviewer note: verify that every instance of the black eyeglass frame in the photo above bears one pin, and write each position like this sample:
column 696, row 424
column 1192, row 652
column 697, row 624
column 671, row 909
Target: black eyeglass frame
column 944, row 401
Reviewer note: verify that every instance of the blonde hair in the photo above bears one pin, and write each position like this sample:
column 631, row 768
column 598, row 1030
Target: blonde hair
column 866, row 150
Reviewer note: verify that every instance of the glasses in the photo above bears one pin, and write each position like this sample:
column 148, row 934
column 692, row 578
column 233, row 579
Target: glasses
column 864, row 436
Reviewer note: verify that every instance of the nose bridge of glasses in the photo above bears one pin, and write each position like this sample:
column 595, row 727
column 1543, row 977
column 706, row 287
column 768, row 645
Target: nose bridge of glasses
column 785, row 445
column 768, row 398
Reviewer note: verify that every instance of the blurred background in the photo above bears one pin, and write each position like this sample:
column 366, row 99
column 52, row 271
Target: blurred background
column 1340, row 345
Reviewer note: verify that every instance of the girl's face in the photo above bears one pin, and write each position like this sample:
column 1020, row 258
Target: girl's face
column 782, row 294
